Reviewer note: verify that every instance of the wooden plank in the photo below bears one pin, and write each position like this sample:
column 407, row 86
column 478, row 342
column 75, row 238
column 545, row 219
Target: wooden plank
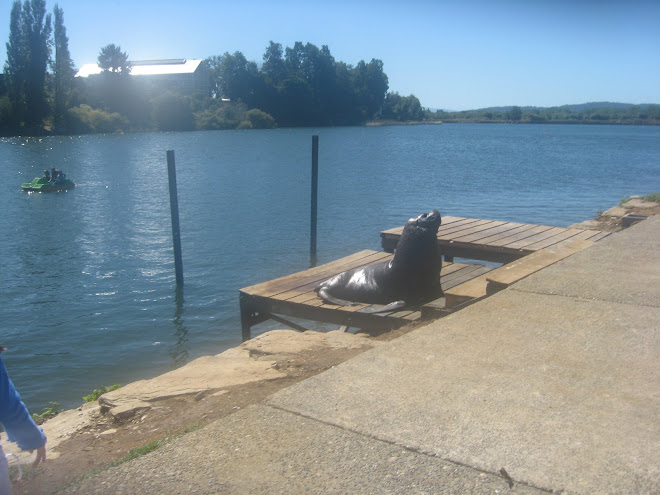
column 315, row 275
column 462, row 276
column 389, row 238
column 452, row 231
column 495, row 228
column 328, row 315
column 393, row 231
column 472, row 289
column 527, row 241
column 523, row 234
column 445, row 221
column 479, row 252
column 476, row 227
column 516, row 230
column 600, row 235
column 449, row 268
column 561, row 236
column 505, row 275
column 522, row 268
column 308, row 284
column 434, row 309
column 460, row 223
column 452, row 219
column 317, row 269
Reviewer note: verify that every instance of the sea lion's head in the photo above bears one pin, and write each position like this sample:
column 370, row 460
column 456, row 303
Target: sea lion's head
column 417, row 249
column 428, row 221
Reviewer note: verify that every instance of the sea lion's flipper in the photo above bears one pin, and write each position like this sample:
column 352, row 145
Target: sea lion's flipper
column 385, row 309
column 323, row 294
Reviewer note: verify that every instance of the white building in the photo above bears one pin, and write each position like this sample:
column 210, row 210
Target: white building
column 183, row 76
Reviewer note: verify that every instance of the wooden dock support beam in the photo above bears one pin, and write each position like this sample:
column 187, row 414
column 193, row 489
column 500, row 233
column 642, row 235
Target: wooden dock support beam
column 174, row 211
column 315, row 189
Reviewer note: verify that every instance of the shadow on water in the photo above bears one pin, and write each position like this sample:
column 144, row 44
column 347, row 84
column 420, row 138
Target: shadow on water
column 179, row 350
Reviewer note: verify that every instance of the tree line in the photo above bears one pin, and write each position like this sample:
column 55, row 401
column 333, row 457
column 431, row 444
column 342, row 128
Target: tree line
column 596, row 113
column 302, row 85
column 293, row 86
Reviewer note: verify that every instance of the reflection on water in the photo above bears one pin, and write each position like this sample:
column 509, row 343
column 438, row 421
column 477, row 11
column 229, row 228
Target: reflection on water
column 179, row 351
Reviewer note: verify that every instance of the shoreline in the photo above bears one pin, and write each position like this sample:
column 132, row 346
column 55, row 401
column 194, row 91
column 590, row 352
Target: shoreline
column 377, row 123
column 97, row 435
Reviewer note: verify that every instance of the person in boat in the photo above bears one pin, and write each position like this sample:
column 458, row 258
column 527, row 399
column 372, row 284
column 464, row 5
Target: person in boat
column 57, row 175
column 19, row 426
column 47, row 175
column 53, row 174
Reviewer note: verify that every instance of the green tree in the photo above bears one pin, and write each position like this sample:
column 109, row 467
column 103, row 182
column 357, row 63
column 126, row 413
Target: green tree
column 38, row 29
column 214, row 67
column 259, row 119
column 63, row 70
column 299, row 86
column 112, row 59
column 514, row 114
column 28, row 52
column 16, row 65
column 370, row 86
column 402, row 108
column 273, row 64
column 240, row 79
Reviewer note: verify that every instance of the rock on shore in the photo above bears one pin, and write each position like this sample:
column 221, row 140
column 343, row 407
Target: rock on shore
column 264, row 358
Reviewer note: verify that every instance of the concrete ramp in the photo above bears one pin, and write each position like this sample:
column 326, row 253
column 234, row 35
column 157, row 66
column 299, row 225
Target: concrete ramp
column 556, row 379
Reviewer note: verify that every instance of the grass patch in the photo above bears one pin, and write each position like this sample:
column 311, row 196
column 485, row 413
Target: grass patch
column 655, row 197
column 52, row 410
column 140, row 451
column 99, row 392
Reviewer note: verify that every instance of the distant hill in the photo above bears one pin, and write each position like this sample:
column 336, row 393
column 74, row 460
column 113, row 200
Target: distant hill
column 573, row 108
column 598, row 112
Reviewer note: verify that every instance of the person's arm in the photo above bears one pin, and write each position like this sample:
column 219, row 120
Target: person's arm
column 15, row 417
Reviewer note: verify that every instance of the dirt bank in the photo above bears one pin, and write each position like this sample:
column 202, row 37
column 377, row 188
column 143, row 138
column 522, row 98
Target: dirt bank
column 99, row 434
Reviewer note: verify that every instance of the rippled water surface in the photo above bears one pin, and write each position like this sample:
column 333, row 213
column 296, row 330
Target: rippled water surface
column 87, row 278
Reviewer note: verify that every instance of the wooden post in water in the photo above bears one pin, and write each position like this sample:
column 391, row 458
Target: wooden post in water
column 174, row 211
column 315, row 188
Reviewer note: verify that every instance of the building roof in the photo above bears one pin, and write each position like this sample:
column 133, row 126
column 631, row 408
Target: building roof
column 149, row 67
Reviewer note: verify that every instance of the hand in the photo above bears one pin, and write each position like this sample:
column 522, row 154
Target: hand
column 41, row 455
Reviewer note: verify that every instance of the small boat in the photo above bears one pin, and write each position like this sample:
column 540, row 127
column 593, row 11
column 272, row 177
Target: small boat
column 42, row 184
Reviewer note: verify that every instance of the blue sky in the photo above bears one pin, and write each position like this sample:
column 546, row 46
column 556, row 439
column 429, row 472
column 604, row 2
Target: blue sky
column 455, row 55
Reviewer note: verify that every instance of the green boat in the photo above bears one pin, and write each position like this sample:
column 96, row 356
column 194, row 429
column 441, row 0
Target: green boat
column 42, row 184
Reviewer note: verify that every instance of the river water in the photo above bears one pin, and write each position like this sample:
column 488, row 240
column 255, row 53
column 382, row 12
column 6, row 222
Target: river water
column 87, row 283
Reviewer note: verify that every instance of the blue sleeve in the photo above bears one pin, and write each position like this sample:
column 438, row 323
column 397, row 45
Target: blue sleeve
column 15, row 417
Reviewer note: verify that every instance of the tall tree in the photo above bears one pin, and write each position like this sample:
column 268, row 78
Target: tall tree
column 16, row 65
column 370, row 85
column 214, row 65
column 38, row 31
column 273, row 66
column 112, row 59
column 240, row 79
column 63, row 69
column 28, row 52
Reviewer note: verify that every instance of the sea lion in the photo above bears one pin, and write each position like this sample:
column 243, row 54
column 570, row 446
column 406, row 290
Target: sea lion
column 413, row 273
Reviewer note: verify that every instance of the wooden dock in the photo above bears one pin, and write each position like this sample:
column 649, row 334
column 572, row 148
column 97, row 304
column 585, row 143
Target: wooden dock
column 490, row 240
column 294, row 295
column 503, row 242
